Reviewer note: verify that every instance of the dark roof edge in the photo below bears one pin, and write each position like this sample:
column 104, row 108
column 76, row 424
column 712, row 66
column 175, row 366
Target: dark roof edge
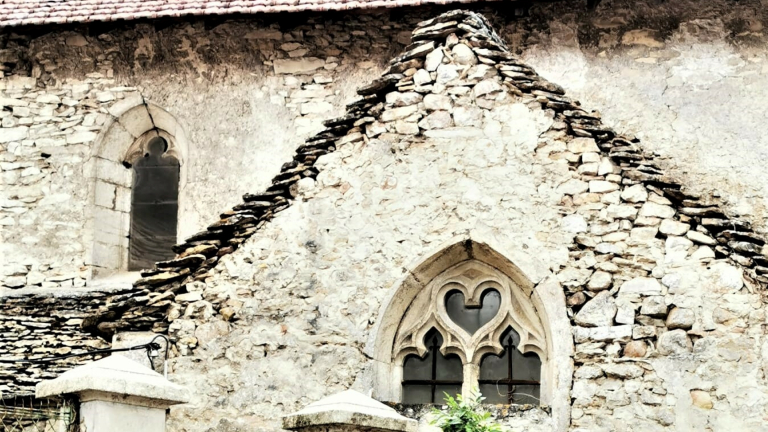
column 239, row 12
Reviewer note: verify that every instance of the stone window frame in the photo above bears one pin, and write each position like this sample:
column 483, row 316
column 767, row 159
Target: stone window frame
column 545, row 296
column 472, row 278
column 133, row 123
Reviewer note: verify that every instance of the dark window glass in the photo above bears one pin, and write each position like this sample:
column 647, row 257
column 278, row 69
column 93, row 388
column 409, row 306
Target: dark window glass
column 426, row 380
column 512, row 377
column 154, row 207
column 471, row 319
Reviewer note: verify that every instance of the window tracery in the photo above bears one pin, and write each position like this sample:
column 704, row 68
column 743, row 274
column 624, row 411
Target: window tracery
column 474, row 313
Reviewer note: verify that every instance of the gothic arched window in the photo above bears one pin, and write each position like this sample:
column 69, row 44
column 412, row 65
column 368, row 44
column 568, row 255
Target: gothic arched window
column 471, row 327
column 154, row 206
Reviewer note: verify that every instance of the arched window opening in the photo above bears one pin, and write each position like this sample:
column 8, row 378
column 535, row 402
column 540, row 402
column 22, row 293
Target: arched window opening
column 511, row 377
column 154, row 206
column 427, row 379
column 477, row 315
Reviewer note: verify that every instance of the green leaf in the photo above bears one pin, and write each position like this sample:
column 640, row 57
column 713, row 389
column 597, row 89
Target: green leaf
column 465, row 415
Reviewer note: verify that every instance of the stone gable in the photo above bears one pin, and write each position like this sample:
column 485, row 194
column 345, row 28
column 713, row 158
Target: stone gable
column 654, row 294
column 480, row 147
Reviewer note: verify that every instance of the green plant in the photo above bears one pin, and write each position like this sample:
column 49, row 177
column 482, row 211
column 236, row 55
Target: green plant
column 465, row 415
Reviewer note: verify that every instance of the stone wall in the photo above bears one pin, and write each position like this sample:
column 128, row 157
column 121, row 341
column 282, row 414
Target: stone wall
column 661, row 309
column 674, row 59
column 663, row 313
column 686, row 77
column 258, row 91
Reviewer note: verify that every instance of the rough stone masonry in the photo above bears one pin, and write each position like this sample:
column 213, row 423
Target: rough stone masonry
column 661, row 307
column 665, row 290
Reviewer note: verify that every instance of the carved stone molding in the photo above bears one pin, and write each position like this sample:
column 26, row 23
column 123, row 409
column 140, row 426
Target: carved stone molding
column 473, row 279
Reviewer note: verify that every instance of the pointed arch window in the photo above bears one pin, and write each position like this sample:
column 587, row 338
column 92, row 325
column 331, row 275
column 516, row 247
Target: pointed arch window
column 154, row 206
column 474, row 315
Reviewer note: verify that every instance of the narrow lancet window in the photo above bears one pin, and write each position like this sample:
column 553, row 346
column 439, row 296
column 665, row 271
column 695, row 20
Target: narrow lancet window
column 512, row 377
column 427, row 379
column 154, row 206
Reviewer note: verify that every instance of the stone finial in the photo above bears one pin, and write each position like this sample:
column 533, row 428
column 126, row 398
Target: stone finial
column 117, row 395
column 349, row 410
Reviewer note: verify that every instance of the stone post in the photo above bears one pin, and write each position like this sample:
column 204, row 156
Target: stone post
column 117, row 394
column 348, row 411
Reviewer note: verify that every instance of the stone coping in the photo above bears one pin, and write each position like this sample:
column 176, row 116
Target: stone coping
column 349, row 408
column 116, row 376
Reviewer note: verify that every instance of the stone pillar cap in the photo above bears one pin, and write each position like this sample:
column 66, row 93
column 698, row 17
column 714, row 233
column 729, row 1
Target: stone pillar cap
column 115, row 375
column 349, row 408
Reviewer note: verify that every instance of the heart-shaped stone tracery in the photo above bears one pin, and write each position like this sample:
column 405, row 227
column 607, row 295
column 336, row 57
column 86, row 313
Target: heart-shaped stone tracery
column 472, row 319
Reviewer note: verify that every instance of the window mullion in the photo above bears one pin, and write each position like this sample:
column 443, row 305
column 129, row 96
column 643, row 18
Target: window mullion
column 471, row 382
column 435, row 353
column 510, row 387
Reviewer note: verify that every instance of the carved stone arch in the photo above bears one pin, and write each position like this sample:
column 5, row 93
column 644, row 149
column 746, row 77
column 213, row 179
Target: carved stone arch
column 473, row 278
column 542, row 318
column 133, row 122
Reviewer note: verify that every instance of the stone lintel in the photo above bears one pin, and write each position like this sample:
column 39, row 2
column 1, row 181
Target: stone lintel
column 349, row 408
column 116, row 379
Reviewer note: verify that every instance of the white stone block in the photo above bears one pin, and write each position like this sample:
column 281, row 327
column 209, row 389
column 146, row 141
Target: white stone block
column 704, row 252
column 123, row 105
column 105, row 195
column 602, row 334
column 48, row 99
column 113, row 172
column 13, row 134
column 650, row 209
column 434, row 59
column 162, row 119
column 598, row 312
column 574, row 224
column 122, row 199
column 583, row 145
column 106, row 256
column 136, row 120
column 297, row 66
column 671, row 227
column 622, row 211
column 437, row 102
column 641, row 286
column 398, row 113
column 634, row 194
column 13, row 102
column 315, row 107
column 573, row 187
column 701, row 238
column 626, row 313
column 602, row 186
